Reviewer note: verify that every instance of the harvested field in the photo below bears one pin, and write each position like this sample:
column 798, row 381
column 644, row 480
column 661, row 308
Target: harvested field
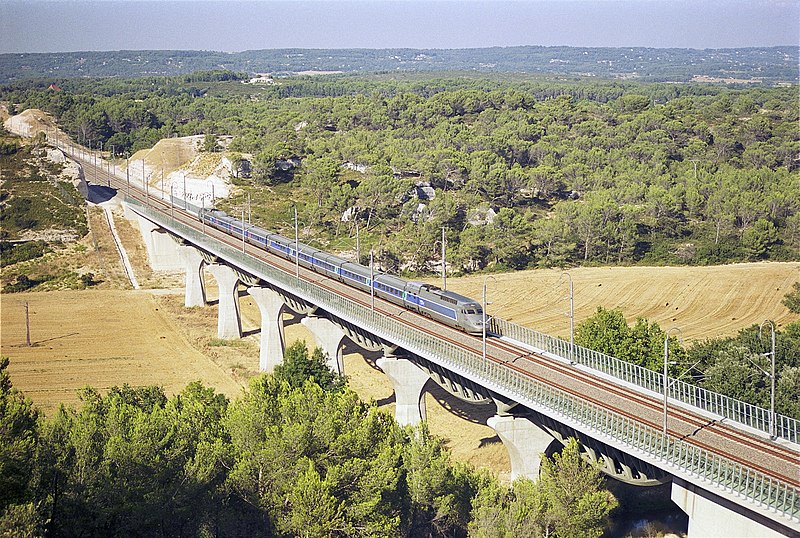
column 704, row 302
column 99, row 338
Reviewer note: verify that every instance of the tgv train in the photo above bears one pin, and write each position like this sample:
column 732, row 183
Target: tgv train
column 450, row 308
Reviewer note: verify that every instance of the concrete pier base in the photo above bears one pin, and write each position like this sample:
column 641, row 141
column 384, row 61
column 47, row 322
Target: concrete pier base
column 162, row 251
column 229, row 322
column 329, row 337
column 194, row 281
column 525, row 443
column 408, row 381
column 273, row 346
column 712, row 515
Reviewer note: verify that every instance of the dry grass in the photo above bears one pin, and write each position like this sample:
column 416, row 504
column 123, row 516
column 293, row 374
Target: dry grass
column 100, row 338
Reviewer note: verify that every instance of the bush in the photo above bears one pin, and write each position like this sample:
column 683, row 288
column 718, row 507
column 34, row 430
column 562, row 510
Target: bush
column 8, row 147
column 11, row 253
column 88, row 280
column 792, row 299
column 22, row 283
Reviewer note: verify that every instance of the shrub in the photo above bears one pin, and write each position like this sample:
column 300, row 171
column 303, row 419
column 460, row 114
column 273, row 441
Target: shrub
column 792, row 299
column 11, row 253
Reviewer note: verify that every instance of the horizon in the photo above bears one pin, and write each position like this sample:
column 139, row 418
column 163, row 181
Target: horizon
column 43, row 26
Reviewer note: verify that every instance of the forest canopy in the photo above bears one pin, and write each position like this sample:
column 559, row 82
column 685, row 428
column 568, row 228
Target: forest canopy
column 278, row 461
column 519, row 173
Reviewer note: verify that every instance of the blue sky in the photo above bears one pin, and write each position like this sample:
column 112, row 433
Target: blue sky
column 233, row 25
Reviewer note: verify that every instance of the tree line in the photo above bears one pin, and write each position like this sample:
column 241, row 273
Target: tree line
column 736, row 366
column 297, row 454
column 769, row 65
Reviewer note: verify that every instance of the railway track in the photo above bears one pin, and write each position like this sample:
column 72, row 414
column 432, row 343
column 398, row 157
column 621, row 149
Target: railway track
column 753, row 450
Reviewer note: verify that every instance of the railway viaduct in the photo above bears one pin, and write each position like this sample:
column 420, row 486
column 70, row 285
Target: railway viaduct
column 734, row 471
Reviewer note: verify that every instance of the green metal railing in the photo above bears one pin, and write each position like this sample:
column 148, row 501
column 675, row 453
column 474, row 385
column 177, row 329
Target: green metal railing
column 730, row 408
column 680, row 458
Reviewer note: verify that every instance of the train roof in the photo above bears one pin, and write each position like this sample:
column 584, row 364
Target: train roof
column 461, row 299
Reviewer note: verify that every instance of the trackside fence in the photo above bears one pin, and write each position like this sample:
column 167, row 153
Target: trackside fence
column 697, row 465
column 713, row 402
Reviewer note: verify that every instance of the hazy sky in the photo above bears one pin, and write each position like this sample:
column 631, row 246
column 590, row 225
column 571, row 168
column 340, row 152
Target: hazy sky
column 234, row 25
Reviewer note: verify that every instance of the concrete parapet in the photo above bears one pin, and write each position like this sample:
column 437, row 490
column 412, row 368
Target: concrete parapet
column 162, row 251
column 408, row 381
column 229, row 322
column 524, row 441
column 194, row 281
column 273, row 346
column 329, row 337
column 712, row 515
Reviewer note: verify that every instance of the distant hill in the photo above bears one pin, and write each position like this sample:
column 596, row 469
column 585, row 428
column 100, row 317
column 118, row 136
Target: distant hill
column 769, row 65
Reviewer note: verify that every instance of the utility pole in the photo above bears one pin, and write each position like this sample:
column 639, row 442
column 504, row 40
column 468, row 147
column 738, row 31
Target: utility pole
column 358, row 245
column 27, row 325
column 485, row 321
column 571, row 317
column 771, row 375
column 667, row 382
column 296, row 244
column 444, row 262
column 371, row 279
column 244, row 232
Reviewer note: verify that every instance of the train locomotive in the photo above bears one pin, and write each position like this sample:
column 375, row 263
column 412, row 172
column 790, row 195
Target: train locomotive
column 447, row 307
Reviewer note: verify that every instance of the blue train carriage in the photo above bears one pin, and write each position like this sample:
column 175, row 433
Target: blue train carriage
column 328, row 264
column 282, row 246
column 215, row 217
column 356, row 275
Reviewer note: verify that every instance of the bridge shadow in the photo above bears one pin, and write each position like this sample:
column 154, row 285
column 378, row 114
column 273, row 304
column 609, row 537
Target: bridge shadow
column 99, row 193
column 472, row 412
column 475, row 413
column 291, row 318
column 370, row 357
column 386, row 401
